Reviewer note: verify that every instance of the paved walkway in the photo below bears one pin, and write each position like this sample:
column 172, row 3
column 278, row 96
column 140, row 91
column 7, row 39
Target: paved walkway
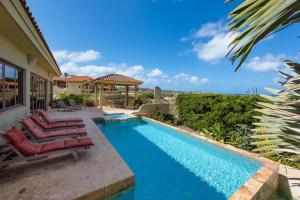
column 62, row 178
column 291, row 182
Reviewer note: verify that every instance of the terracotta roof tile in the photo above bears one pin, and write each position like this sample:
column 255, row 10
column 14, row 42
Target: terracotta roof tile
column 118, row 78
column 33, row 21
column 74, row 78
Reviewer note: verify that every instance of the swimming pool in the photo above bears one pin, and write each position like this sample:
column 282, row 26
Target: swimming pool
column 115, row 116
column 170, row 165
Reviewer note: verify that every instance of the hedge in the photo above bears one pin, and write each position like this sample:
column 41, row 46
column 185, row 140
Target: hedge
column 200, row 111
column 227, row 118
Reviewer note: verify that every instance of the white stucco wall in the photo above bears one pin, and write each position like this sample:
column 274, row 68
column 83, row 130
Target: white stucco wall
column 10, row 52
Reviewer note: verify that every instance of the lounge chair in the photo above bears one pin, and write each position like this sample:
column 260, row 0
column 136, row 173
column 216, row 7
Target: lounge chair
column 74, row 105
column 47, row 126
column 39, row 135
column 57, row 120
column 22, row 149
column 62, row 105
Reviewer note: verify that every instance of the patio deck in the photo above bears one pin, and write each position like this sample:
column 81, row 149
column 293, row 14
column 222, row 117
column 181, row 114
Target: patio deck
column 100, row 171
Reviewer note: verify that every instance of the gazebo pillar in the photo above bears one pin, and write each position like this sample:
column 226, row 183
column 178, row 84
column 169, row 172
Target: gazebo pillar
column 96, row 95
column 136, row 91
column 101, row 97
column 126, row 99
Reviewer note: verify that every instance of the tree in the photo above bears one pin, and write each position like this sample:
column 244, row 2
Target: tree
column 278, row 132
column 254, row 20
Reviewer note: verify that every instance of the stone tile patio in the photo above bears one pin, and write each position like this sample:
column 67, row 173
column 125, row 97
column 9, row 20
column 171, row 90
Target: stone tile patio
column 289, row 181
column 99, row 172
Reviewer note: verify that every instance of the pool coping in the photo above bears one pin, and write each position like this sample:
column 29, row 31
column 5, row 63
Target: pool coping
column 262, row 185
column 106, row 120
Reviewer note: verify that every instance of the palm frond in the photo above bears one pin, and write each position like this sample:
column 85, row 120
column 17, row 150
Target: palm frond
column 278, row 132
column 255, row 20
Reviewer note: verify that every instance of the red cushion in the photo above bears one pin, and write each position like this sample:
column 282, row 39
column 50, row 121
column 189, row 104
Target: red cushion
column 52, row 146
column 58, row 120
column 27, row 147
column 67, row 124
column 86, row 141
column 33, row 128
column 67, row 120
column 80, row 142
column 44, row 125
column 66, row 144
column 78, row 131
column 15, row 135
column 39, row 122
column 19, row 141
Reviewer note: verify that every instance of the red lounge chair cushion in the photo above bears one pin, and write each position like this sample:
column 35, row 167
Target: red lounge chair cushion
column 33, row 128
column 44, row 125
column 39, row 134
column 78, row 131
column 27, row 147
column 58, row 120
column 19, row 141
column 66, row 144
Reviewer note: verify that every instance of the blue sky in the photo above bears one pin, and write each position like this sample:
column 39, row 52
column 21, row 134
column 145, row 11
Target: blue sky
column 175, row 44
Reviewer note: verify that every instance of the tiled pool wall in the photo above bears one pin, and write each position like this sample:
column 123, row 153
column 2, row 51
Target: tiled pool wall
column 262, row 185
column 109, row 190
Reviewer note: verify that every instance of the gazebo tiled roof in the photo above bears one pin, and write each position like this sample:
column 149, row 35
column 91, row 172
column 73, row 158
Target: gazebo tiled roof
column 118, row 79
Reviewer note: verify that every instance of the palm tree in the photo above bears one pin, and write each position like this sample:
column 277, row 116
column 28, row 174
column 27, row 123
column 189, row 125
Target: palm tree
column 254, row 20
column 278, row 132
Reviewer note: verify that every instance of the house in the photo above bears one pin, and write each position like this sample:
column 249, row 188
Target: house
column 73, row 85
column 27, row 66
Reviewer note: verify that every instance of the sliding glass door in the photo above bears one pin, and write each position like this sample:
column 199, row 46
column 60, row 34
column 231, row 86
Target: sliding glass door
column 38, row 87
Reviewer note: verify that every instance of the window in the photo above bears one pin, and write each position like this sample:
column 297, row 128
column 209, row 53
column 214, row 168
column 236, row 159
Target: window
column 11, row 85
column 38, row 88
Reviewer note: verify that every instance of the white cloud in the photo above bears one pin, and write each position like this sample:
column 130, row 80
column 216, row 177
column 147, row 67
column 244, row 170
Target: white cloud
column 266, row 63
column 155, row 73
column 72, row 63
column 190, row 78
column 99, row 70
column 210, row 42
column 76, row 57
column 215, row 49
column 210, row 29
column 153, row 76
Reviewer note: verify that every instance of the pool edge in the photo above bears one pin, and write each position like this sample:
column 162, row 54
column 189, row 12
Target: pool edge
column 262, row 185
column 109, row 190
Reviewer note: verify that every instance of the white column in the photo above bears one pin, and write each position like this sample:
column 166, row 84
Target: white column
column 96, row 95
column 101, row 97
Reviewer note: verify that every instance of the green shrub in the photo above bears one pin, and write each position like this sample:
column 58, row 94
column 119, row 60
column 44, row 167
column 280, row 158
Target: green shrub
column 226, row 118
column 146, row 97
column 77, row 98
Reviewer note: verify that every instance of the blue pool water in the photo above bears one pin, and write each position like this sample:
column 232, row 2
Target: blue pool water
column 116, row 116
column 170, row 165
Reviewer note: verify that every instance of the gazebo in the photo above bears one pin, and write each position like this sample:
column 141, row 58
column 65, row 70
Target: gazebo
column 115, row 80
